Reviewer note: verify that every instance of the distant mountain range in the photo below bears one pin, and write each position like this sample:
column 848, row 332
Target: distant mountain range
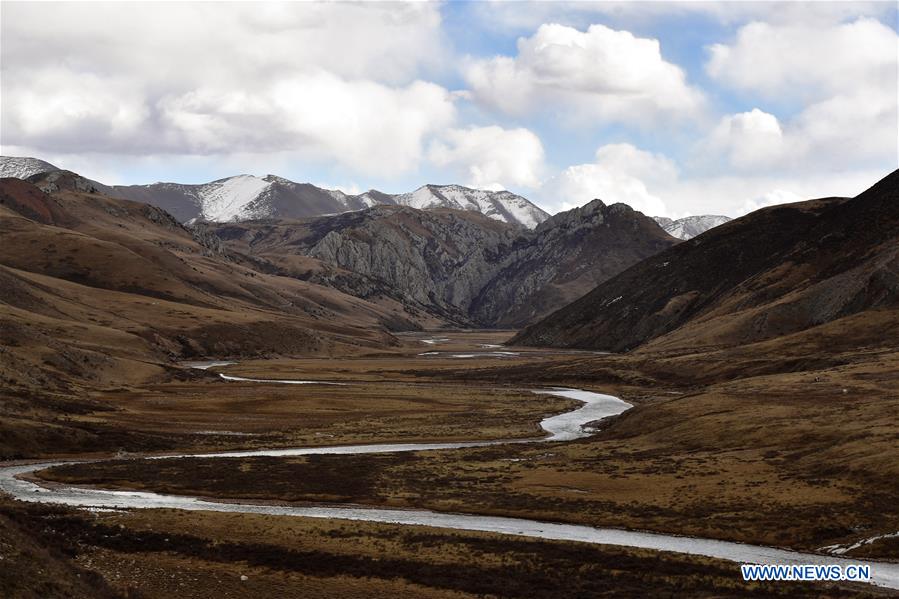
column 690, row 226
column 441, row 264
column 247, row 197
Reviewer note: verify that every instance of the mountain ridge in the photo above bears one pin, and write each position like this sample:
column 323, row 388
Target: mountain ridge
column 22, row 167
column 462, row 265
column 775, row 272
column 689, row 227
column 249, row 197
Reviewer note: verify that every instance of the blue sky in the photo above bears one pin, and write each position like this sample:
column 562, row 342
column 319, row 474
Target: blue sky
column 674, row 108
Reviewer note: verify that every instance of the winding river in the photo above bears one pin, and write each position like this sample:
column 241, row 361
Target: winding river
column 562, row 427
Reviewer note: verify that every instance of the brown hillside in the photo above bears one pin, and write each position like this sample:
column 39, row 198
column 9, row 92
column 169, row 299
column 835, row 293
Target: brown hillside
column 777, row 271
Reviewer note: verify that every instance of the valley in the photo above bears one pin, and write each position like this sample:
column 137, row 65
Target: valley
column 449, row 300
column 324, row 358
column 746, row 486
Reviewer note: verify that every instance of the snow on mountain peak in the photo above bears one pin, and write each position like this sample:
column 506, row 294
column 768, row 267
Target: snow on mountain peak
column 246, row 197
column 690, row 226
column 22, row 167
column 498, row 205
column 228, row 199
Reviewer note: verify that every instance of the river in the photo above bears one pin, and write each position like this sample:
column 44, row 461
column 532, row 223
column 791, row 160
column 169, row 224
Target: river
column 561, row 427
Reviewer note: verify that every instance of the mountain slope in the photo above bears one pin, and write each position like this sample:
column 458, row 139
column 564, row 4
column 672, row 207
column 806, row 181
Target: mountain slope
column 690, row 226
column 499, row 205
column 22, row 167
column 246, row 197
column 775, row 272
column 459, row 264
column 565, row 257
column 243, row 197
column 435, row 260
column 94, row 288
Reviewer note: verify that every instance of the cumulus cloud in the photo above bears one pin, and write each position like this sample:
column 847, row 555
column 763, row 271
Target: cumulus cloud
column 653, row 184
column 800, row 60
column 619, row 174
column 59, row 107
column 368, row 126
column 177, row 44
column 844, row 73
column 491, row 157
column 131, row 92
column 748, row 139
column 599, row 73
column 327, row 82
column 737, row 194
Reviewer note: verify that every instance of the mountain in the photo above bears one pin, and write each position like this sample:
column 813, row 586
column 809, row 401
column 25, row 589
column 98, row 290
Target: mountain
column 469, row 269
column 244, row 197
column 57, row 180
column 439, row 255
column 774, row 273
column 94, row 288
column 434, row 260
column 23, row 167
column 565, row 257
column 247, row 197
column 498, row 205
column 690, row 226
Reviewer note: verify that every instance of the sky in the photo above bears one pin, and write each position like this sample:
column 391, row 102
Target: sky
column 675, row 108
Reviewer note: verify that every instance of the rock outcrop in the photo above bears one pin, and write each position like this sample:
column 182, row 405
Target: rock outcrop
column 460, row 265
column 564, row 258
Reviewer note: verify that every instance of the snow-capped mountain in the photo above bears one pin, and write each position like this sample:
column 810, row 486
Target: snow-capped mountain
column 690, row 226
column 229, row 199
column 248, row 197
column 498, row 205
column 22, row 167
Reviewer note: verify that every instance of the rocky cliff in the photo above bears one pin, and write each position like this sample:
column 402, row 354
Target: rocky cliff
column 460, row 265
column 564, row 258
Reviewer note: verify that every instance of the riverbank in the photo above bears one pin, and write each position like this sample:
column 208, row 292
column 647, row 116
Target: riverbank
column 771, row 459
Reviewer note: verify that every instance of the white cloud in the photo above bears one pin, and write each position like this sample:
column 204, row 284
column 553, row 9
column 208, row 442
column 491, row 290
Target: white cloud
column 337, row 91
column 371, row 128
column 491, row 157
column 845, row 76
column 748, row 139
column 619, row 174
column 840, row 132
column 652, row 184
column 859, row 126
column 595, row 74
column 177, row 44
column 736, row 194
column 59, row 107
column 324, row 82
column 629, row 160
column 801, row 60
